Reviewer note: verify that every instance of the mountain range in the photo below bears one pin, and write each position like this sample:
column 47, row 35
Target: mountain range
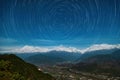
column 55, row 57
column 100, row 64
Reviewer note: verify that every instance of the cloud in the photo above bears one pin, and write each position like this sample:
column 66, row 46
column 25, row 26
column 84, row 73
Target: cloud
column 29, row 49
column 100, row 47
column 42, row 40
column 7, row 40
column 68, row 49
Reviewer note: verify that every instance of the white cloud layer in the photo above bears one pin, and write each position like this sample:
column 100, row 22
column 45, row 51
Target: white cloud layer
column 27, row 48
column 101, row 47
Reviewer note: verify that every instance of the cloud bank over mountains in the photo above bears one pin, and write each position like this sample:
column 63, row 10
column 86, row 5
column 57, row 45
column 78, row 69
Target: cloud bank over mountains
column 101, row 47
column 27, row 48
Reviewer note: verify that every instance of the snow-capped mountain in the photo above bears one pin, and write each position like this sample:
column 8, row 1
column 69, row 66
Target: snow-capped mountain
column 95, row 47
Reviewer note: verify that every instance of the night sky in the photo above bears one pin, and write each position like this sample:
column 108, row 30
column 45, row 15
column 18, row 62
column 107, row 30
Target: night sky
column 77, row 23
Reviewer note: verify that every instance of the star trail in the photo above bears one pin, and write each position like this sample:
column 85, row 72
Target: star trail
column 75, row 23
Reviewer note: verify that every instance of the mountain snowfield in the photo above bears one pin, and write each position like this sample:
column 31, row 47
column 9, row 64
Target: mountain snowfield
column 27, row 48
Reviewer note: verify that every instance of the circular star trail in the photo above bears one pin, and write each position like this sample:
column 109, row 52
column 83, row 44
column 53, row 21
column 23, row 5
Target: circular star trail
column 89, row 20
column 62, row 17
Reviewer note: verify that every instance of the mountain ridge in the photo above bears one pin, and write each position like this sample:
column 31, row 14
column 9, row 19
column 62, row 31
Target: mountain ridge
column 108, row 64
column 53, row 57
column 14, row 68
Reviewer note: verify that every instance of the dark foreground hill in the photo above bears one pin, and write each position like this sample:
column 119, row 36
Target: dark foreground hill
column 108, row 64
column 14, row 68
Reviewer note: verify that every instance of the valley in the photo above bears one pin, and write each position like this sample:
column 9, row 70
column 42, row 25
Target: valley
column 65, row 73
column 98, row 67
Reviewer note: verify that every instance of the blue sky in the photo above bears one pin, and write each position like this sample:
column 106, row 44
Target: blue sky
column 77, row 23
